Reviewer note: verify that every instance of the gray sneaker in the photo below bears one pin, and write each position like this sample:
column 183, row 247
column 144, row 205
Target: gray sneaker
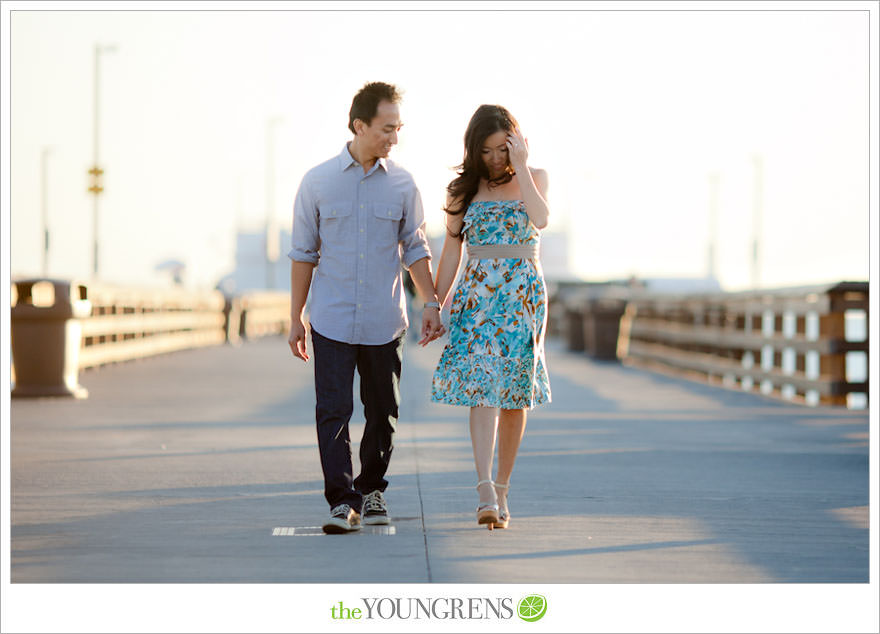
column 343, row 519
column 375, row 508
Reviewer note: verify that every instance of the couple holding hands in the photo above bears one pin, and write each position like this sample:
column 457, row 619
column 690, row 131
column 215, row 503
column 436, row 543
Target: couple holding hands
column 357, row 218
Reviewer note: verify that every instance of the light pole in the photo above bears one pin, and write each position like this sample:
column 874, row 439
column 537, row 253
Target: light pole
column 757, row 219
column 44, row 206
column 714, row 178
column 96, row 172
column 272, row 250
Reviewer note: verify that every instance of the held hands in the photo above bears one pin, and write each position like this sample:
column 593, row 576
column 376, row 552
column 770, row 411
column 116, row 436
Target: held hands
column 432, row 327
column 517, row 149
column 297, row 339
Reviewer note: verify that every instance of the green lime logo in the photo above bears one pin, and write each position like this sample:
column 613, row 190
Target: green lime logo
column 532, row 608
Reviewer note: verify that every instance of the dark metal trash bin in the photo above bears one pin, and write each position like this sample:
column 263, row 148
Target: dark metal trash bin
column 46, row 337
column 574, row 327
column 602, row 327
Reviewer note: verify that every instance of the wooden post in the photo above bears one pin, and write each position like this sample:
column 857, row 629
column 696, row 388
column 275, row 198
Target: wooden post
column 833, row 366
column 832, row 326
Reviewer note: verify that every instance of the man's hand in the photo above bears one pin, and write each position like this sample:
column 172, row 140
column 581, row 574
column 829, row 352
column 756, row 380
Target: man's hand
column 432, row 327
column 297, row 338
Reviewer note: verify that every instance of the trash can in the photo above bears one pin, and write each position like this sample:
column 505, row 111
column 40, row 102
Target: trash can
column 574, row 322
column 46, row 337
column 602, row 326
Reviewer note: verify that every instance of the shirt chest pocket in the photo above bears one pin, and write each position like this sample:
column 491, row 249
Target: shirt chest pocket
column 386, row 222
column 335, row 220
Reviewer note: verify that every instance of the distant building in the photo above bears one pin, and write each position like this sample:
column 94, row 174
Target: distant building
column 252, row 269
column 554, row 254
column 681, row 284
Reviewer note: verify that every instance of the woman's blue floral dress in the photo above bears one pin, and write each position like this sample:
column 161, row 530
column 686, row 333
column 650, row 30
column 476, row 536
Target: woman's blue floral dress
column 495, row 353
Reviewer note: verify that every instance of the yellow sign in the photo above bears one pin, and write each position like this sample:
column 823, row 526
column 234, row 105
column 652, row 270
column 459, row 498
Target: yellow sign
column 96, row 187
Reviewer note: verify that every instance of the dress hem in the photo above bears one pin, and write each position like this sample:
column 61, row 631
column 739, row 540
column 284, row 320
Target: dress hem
column 458, row 403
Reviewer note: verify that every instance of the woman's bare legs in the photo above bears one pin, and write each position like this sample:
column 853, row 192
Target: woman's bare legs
column 511, row 426
column 483, row 422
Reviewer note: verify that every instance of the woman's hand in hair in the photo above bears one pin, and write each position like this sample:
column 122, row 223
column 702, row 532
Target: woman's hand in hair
column 518, row 149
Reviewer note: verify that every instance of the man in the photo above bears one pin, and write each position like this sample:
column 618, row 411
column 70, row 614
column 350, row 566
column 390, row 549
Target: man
column 357, row 217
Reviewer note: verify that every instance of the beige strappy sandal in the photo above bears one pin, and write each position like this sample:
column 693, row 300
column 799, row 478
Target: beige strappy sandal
column 487, row 513
column 503, row 514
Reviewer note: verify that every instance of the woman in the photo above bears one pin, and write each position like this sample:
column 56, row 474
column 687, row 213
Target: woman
column 494, row 360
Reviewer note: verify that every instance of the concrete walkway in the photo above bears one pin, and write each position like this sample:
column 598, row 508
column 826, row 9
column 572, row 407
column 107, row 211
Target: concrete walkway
column 202, row 466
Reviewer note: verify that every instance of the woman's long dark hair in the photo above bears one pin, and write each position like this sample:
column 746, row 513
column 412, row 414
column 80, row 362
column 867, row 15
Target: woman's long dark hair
column 487, row 120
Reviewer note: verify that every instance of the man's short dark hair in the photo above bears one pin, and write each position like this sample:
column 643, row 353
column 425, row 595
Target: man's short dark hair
column 366, row 102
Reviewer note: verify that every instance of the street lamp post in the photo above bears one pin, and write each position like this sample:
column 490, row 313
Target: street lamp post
column 44, row 206
column 757, row 219
column 272, row 247
column 96, row 172
column 711, row 264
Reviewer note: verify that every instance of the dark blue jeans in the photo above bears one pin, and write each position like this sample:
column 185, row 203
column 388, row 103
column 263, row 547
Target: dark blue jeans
column 379, row 369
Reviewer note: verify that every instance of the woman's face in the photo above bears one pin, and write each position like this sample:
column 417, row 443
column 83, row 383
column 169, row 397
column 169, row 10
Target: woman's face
column 494, row 153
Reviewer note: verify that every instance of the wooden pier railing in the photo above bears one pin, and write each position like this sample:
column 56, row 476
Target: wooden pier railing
column 795, row 343
column 129, row 324
column 800, row 344
column 264, row 313
column 60, row 327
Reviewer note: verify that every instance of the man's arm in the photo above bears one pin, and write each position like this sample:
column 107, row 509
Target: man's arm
column 432, row 327
column 417, row 258
column 300, row 281
column 303, row 254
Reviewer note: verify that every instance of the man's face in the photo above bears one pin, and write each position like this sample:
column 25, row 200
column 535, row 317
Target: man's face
column 378, row 137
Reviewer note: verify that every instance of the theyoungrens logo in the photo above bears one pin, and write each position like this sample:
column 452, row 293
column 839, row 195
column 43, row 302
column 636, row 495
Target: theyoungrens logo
column 530, row 608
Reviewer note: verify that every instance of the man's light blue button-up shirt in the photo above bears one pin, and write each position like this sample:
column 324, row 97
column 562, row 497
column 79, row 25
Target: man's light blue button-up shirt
column 358, row 228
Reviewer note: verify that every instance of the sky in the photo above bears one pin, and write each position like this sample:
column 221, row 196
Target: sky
column 628, row 111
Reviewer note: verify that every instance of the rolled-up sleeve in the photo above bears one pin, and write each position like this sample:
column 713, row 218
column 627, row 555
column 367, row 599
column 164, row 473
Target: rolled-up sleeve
column 305, row 242
column 412, row 237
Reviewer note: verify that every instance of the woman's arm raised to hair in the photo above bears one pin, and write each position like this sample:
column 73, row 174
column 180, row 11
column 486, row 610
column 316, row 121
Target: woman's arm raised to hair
column 533, row 186
column 532, row 182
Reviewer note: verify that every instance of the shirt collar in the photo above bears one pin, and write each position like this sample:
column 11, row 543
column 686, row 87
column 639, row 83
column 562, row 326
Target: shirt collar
column 346, row 160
